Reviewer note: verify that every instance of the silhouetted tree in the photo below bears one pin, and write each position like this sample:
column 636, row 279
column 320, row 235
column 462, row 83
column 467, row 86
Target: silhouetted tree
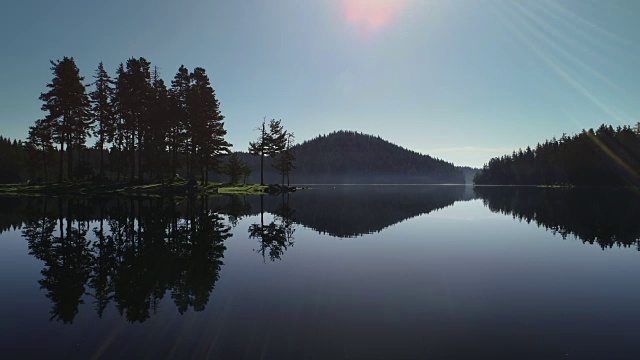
column 102, row 111
column 159, row 128
column 67, row 105
column 268, row 143
column 134, row 95
column 179, row 137
column 234, row 168
column 40, row 139
column 283, row 162
column 260, row 147
column 206, row 124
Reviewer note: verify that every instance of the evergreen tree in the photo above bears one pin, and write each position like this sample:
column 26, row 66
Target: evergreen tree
column 234, row 168
column 260, row 147
column 119, row 147
column 277, row 138
column 67, row 105
column 102, row 111
column 206, row 124
column 40, row 139
column 134, row 95
column 246, row 172
column 285, row 159
column 268, row 143
column 156, row 155
column 178, row 140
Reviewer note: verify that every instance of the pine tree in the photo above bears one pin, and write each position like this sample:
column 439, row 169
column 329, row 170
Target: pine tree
column 234, row 168
column 277, row 138
column 134, row 94
column 40, row 138
column 178, row 140
column 206, row 124
column 102, row 111
column 67, row 105
column 269, row 143
column 260, row 147
column 156, row 156
column 118, row 150
column 283, row 162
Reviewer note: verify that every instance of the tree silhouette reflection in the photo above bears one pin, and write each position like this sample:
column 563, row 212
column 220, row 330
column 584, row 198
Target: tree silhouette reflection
column 594, row 215
column 275, row 237
column 143, row 249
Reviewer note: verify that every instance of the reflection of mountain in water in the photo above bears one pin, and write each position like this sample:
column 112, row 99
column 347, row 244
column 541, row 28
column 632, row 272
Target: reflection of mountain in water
column 606, row 217
column 348, row 211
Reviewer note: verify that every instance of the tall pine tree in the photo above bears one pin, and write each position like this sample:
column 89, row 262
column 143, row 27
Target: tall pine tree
column 207, row 125
column 102, row 111
column 67, row 105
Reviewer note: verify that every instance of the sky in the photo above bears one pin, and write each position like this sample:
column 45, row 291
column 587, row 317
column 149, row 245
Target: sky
column 461, row 80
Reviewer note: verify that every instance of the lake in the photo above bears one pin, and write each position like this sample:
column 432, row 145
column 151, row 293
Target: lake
column 331, row 272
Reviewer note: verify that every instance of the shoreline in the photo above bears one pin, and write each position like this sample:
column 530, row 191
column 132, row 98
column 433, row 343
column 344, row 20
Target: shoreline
column 176, row 188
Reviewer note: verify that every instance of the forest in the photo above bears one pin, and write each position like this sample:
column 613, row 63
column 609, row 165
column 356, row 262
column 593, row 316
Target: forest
column 602, row 157
column 143, row 129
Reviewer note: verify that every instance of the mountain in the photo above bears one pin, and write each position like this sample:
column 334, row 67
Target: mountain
column 350, row 157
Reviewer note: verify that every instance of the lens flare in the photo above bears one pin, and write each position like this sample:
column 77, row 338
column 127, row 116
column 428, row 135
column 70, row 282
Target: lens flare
column 372, row 15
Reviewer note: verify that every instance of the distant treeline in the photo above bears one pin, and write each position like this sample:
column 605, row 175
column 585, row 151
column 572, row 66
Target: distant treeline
column 604, row 157
column 13, row 159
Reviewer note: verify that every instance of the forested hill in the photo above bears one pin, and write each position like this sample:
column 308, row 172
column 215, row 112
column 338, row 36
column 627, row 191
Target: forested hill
column 352, row 157
column 602, row 157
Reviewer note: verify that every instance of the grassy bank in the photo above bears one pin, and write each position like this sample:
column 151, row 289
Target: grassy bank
column 180, row 187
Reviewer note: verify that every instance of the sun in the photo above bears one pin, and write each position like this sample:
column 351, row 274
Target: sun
column 372, row 15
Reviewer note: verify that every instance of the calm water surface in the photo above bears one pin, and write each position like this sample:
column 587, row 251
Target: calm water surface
column 345, row 272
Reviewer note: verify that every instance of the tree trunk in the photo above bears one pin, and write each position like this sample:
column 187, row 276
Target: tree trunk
column 101, row 158
column 140, row 170
column 262, row 168
column 44, row 162
column 69, row 162
column 61, row 160
column 132, row 149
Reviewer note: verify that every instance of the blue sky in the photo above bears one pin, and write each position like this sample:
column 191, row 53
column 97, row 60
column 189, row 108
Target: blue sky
column 462, row 80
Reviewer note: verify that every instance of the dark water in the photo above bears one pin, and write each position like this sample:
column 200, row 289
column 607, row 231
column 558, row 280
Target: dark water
column 351, row 272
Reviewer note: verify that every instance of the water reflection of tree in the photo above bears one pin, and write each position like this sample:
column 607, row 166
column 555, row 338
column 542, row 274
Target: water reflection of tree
column 67, row 259
column 602, row 216
column 275, row 237
column 142, row 250
column 236, row 208
column 199, row 260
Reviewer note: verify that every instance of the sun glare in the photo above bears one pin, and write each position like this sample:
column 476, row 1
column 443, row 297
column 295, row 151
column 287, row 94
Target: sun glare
column 372, row 15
